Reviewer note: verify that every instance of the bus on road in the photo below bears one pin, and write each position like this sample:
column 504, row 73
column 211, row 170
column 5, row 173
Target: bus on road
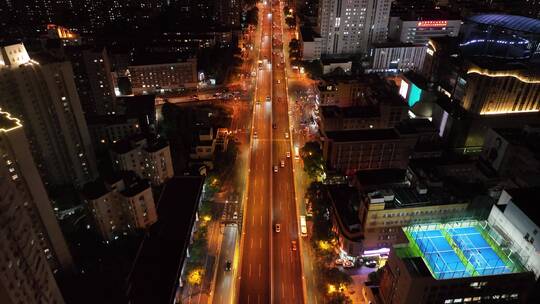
column 303, row 225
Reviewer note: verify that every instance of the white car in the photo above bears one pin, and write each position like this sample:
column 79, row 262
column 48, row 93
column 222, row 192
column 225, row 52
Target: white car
column 286, row 135
column 268, row 99
column 282, row 163
column 275, row 169
column 288, row 154
column 278, row 227
column 254, row 134
column 278, row 81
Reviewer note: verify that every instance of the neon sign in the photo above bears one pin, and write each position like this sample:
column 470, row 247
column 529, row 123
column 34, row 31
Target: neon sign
column 433, row 23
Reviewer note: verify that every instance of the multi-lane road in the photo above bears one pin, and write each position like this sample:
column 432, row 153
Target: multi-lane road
column 270, row 269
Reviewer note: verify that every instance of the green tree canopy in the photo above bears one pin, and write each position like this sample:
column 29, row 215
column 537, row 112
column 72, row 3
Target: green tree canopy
column 313, row 161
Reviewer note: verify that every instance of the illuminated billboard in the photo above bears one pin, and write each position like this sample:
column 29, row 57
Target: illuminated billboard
column 432, row 23
column 403, row 88
column 414, row 95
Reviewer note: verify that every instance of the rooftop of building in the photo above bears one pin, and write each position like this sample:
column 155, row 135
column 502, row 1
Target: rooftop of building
column 94, row 190
column 380, row 178
column 488, row 66
column 156, row 145
column 409, row 197
column 328, row 112
column 156, row 270
column 425, row 14
column 345, row 202
column 147, row 58
column 526, row 199
column 7, row 122
column 374, row 88
column 308, row 34
column 417, row 79
column 362, row 135
column 415, row 126
column 396, row 44
column 126, row 145
column 134, row 188
column 132, row 185
column 512, row 22
column 453, row 250
column 528, row 136
column 205, row 143
column 333, row 60
column 205, row 130
column 107, row 120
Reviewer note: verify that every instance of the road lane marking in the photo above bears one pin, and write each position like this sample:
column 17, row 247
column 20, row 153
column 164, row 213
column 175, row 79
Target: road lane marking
column 281, row 254
column 248, row 299
column 293, row 291
column 251, row 244
column 282, row 290
column 261, row 220
column 260, row 243
column 253, row 220
column 249, row 272
column 260, row 270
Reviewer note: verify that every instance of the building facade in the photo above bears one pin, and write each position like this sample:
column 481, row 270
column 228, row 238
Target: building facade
column 383, row 116
column 419, row 30
column 33, row 247
column 397, row 57
column 93, row 78
column 514, row 216
column 107, row 130
column 495, row 91
column 407, row 280
column 148, row 159
column 382, row 216
column 311, row 44
column 120, row 206
column 165, row 76
column 350, row 26
column 45, row 97
column 353, row 150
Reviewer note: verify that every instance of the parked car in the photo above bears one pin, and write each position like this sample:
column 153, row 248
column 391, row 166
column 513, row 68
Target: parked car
column 293, row 244
column 278, row 227
column 228, row 266
column 371, row 263
column 348, row 264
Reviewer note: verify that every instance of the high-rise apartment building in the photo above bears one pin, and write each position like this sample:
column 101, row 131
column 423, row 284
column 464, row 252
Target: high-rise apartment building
column 148, row 159
column 93, row 78
column 45, row 97
column 32, row 245
column 350, row 26
column 120, row 205
column 228, row 12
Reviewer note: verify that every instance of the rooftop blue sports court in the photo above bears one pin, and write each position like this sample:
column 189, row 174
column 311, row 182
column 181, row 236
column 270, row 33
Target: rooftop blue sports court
column 461, row 249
